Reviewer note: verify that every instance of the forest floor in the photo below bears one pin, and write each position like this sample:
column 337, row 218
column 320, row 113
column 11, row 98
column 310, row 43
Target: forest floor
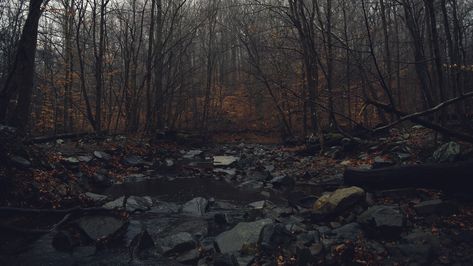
column 120, row 201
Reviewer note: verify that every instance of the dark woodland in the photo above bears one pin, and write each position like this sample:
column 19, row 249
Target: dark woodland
column 236, row 132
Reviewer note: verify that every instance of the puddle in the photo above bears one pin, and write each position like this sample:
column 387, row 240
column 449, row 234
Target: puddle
column 184, row 189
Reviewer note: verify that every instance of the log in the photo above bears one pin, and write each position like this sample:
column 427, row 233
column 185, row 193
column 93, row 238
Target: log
column 456, row 176
column 44, row 139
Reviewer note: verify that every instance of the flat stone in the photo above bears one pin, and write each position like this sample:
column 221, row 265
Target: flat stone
column 98, row 227
column 196, row 206
column 339, row 200
column 224, row 160
column 258, row 204
column 244, row 233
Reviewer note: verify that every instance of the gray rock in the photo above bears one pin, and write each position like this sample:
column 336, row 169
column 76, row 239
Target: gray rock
column 20, row 162
column 273, row 236
column 243, row 233
column 134, row 203
column 98, row 227
column 95, row 197
column 283, row 182
column 225, row 260
column 196, row 206
column 251, row 185
column 102, row 155
column 349, row 231
column 381, row 162
column 134, row 160
column 383, row 221
column 258, row 204
column 165, row 207
column 177, row 243
column 100, row 180
column 192, row 153
column 115, row 204
column 448, row 152
column 72, row 160
column 189, row 256
column 85, row 158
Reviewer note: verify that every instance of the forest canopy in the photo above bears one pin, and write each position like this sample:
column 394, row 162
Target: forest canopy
column 290, row 66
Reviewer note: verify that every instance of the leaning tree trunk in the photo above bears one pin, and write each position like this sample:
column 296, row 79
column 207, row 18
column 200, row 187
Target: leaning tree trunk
column 20, row 78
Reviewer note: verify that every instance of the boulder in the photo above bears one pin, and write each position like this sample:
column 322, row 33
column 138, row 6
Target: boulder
column 99, row 227
column 196, row 206
column 244, row 233
column 448, row 152
column 95, row 197
column 382, row 221
column 436, row 206
column 115, row 204
column 134, row 203
column 339, row 200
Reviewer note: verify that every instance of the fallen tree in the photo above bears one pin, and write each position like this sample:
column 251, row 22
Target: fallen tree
column 455, row 176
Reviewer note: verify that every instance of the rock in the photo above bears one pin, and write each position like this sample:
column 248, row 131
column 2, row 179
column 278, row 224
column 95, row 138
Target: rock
column 224, row 160
column 165, row 207
column 134, row 160
column 73, row 161
column 349, row 231
column 221, row 218
column 20, row 162
column 196, row 206
column 134, row 203
column 244, row 233
column 63, row 241
column 382, row 221
column 115, row 204
column 381, row 162
column 417, row 248
column 177, row 243
column 102, row 155
column 258, row 204
column 403, row 156
column 192, row 153
column 95, row 197
column 436, row 206
column 85, row 158
column 225, row 260
column 339, row 200
column 306, row 255
column 272, row 236
column 141, row 242
column 308, row 238
column 230, row 172
column 99, row 227
column 100, row 180
column 189, row 256
column 251, row 185
column 283, row 182
column 448, row 152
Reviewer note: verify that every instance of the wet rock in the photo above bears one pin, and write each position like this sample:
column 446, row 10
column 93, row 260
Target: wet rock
column 115, row 204
column 134, row 203
column 189, row 256
column 196, row 206
column 102, row 155
column 381, row 162
column 339, row 200
column 436, row 206
column 20, row 162
column 272, row 236
column 283, row 182
column 224, row 160
column 99, row 227
column 448, row 152
column 382, row 221
column 95, row 197
column 177, row 243
column 244, row 233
